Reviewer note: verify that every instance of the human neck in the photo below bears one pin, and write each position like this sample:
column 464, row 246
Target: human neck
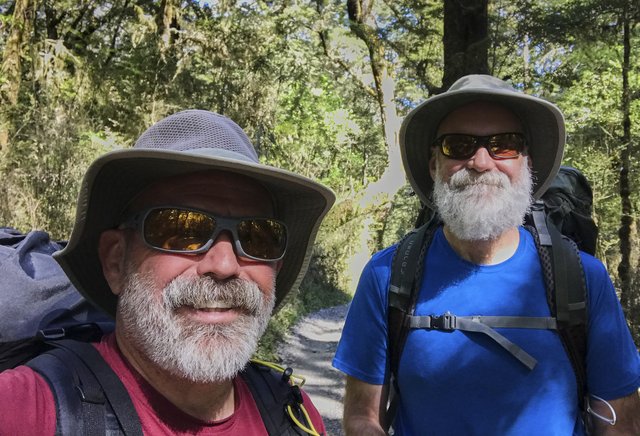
column 205, row 401
column 485, row 252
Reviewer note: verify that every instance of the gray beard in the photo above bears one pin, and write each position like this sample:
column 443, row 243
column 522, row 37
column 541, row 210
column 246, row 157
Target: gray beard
column 482, row 206
column 202, row 353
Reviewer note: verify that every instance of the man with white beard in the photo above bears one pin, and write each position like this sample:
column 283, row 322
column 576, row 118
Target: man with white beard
column 190, row 243
column 480, row 153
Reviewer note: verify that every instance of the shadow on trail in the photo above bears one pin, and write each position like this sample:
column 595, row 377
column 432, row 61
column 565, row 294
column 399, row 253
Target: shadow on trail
column 309, row 350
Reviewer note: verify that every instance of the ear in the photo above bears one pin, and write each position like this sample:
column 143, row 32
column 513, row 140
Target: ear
column 111, row 250
column 432, row 164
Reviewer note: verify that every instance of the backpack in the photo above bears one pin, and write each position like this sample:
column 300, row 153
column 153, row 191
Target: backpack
column 37, row 301
column 47, row 325
column 569, row 206
column 561, row 225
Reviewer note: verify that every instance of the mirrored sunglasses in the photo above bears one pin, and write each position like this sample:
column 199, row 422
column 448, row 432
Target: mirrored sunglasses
column 500, row 146
column 190, row 231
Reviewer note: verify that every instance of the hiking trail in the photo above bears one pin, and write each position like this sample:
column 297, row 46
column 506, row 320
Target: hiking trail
column 309, row 349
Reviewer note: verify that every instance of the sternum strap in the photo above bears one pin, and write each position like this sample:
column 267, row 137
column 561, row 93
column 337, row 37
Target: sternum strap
column 486, row 325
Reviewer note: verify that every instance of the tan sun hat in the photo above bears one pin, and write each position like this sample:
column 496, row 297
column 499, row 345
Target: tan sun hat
column 186, row 142
column 542, row 121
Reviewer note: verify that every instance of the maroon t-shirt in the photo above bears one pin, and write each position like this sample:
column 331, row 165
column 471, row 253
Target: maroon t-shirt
column 27, row 406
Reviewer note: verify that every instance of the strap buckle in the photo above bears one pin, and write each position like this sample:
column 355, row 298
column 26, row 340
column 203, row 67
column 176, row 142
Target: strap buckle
column 446, row 322
column 52, row 333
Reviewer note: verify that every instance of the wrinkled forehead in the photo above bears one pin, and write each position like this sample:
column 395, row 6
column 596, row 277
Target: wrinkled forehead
column 480, row 118
column 221, row 192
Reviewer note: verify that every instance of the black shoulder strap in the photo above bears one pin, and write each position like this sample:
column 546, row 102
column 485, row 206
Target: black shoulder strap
column 406, row 272
column 566, row 291
column 79, row 405
column 84, row 385
column 272, row 393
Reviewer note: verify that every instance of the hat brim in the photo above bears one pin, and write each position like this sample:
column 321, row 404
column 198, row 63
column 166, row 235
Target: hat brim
column 543, row 123
column 114, row 179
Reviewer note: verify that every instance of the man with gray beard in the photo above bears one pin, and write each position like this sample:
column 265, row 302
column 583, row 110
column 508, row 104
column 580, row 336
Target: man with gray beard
column 203, row 352
column 190, row 243
column 479, row 154
column 479, row 206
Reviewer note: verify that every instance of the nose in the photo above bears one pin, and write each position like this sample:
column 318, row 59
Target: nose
column 220, row 261
column 481, row 161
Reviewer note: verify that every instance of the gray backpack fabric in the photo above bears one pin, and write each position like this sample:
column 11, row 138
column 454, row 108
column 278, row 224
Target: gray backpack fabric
column 569, row 206
column 32, row 283
column 37, row 301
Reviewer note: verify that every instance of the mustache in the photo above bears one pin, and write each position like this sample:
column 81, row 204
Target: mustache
column 206, row 291
column 466, row 177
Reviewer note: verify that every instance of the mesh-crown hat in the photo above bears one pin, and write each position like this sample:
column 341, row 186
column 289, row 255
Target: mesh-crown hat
column 186, row 142
column 542, row 121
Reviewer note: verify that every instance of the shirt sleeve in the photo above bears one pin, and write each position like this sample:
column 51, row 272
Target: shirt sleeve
column 27, row 406
column 362, row 350
column 613, row 362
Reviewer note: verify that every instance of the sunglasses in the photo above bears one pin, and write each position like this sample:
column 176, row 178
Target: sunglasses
column 190, row 231
column 500, row 146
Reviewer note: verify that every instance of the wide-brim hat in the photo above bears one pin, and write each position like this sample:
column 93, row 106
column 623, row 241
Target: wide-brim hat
column 187, row 142
column 542, row 121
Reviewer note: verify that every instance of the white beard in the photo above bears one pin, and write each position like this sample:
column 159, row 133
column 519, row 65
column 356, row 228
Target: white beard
column 482, row 206
column 202, row 353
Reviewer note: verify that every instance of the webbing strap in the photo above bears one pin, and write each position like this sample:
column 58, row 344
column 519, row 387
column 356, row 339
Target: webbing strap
column 486, row 325
column 113, row 389
column 540, row 222
column 516, row 322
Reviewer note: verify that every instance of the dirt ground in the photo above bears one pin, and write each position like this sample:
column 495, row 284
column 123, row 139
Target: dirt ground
column 309, row 350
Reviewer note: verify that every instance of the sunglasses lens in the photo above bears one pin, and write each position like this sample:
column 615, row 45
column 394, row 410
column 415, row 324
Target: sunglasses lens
column 262, row 238
column 506, row 145
column 500, row 146
column 179, row 230
column 183, row 230
column 458, row 146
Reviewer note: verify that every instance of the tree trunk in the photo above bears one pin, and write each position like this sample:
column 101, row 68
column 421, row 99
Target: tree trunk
column 379, row 193
column 626, row 220
column 465, row 39
column 526, row 58
column 11, row 70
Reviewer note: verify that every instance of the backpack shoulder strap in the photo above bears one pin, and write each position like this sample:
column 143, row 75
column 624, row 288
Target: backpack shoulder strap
column 74, row 415
column 406, row 274
column 278, row 399
column 566, row 290
column 84, row 385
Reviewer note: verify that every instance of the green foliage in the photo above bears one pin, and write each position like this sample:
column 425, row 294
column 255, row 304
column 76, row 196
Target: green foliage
column 402, row 216
column 319, row 136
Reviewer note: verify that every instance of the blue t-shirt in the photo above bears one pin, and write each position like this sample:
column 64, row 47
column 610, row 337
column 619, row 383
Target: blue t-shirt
column 464, row 382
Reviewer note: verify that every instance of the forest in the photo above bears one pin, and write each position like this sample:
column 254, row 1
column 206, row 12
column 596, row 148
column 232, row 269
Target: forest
column 321, row 87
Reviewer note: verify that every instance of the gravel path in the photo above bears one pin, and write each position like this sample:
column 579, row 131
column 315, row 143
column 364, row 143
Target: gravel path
column 309, row 350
